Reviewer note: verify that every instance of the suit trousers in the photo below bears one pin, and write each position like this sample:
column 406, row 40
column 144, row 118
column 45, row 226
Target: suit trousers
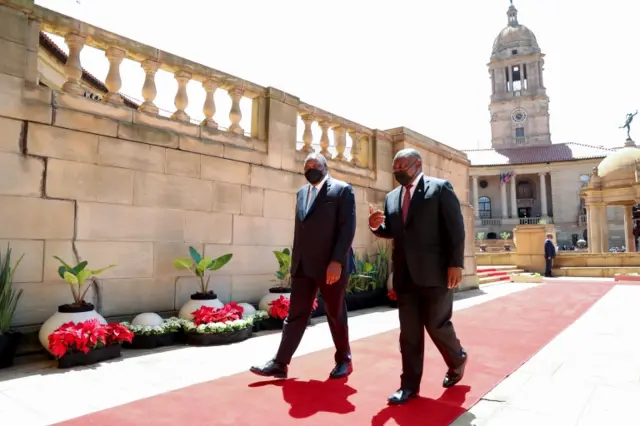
column 548, row 265
column 303, row 293
column 423, row 308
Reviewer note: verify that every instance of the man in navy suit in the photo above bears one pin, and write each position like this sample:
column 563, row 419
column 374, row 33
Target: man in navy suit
column 549, row 255
column 321, row 258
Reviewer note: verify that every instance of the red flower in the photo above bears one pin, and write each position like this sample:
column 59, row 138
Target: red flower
column 392, row 295
column 86, row 336
column 279, row 308
column 208, row 314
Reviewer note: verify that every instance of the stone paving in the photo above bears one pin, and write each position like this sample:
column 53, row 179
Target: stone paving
column 589, row 375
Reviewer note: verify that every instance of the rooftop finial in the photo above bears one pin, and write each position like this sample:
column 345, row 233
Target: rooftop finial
column 512, row 15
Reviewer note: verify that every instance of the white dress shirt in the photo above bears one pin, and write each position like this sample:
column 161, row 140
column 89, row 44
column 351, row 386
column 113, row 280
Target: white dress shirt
column 318, row 186
column 412, row 191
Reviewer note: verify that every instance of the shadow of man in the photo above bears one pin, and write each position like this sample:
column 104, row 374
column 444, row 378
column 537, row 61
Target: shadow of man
column 426, row 411
column 308, row 398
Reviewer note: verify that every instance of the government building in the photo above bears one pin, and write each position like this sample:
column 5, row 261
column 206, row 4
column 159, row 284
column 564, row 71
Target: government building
column 524, row 178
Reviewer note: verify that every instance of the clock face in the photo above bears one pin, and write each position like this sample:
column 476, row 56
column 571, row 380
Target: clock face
column 519, row 115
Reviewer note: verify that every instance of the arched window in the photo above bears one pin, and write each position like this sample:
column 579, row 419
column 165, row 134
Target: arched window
column 484, row 207
column 524, row 189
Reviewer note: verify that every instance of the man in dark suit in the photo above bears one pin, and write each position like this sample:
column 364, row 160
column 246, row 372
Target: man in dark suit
column 549, row 255
column 424, row 219
column 325, row 226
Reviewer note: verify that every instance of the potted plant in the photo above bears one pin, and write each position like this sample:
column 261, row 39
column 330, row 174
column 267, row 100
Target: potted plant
column 278, row 310
column 200, row 267
column 480, row 238
column 87, row 342
column 78, row 311
column 505, row 236
column 217, row 326
column 283, row 275
column 9, row 298
column 154, row 336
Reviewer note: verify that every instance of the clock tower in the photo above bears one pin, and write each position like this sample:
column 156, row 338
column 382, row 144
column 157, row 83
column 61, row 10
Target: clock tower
column 519, row 103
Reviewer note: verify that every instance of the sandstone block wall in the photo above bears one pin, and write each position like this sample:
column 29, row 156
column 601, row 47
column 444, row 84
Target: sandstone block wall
column 86, row 180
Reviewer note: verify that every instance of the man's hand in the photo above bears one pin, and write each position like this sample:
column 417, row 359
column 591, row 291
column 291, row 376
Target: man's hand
column 454, row 277
column 376, row 217
column 334, row 270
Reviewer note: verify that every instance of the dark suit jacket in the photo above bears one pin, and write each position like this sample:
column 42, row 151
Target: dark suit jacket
column 326, row 232
column 432, row 240
column 549, row 249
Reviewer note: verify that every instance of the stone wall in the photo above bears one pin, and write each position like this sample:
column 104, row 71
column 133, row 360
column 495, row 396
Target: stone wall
column 96, row 181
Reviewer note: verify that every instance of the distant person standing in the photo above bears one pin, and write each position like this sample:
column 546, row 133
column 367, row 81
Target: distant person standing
column 549, row 255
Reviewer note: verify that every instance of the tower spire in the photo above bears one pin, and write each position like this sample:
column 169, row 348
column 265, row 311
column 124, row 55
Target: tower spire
column 512, row 15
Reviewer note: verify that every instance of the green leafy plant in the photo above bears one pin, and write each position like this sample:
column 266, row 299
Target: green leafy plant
column 380, row 261
column 9, row 297
column 480, row 236
column 199, row 265
column 284, row 272
column 363, row 279
column 505, row 235
column 76, row 276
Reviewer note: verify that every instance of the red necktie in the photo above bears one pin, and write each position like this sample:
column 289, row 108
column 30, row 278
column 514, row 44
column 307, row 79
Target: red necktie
column 405, row 202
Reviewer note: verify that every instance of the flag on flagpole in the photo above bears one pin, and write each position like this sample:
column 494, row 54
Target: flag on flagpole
column 506, row 177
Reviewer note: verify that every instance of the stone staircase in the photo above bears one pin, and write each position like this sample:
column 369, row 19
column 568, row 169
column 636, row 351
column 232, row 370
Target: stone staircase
column 496, row 273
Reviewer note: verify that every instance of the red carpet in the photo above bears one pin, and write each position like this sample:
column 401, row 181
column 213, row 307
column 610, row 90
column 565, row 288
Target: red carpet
column 499, row 335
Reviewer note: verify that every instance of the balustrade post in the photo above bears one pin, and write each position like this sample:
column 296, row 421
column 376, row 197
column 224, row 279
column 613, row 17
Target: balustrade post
column 149, row 91
column 307, row 136
column 340, row 138
column 324, row 139
column 73, row 67
column 355, row 147
column 113, row 80
column 209, row 108
column 182, row 99
column 235, row 114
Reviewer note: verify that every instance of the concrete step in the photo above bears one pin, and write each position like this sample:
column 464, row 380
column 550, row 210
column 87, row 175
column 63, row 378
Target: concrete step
column 499, row 273
column 494, row 279
column 495, row 268
column 594, row 271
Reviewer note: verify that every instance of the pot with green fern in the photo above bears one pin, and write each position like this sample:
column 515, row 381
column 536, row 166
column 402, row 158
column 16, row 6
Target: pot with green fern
column 201, row 266
column 79, row 278
column 283, row 276
column 9, row 298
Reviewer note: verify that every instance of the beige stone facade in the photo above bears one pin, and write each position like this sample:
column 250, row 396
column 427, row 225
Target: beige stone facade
column 94, row 179
column 543, row 180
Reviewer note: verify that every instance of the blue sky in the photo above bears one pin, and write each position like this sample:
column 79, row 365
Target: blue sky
column 418, row 64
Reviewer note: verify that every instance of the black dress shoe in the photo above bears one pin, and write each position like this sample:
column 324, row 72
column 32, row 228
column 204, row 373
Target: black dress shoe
column 342, row 369
column 454, row 375
column 271, row 369
column 401, row 396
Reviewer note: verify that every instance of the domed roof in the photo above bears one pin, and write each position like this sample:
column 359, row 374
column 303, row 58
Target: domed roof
column 624, row 158
column 514, row 36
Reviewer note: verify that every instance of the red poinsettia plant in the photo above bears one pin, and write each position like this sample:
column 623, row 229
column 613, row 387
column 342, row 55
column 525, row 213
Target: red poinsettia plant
column 208, row 314
column 279, row 308
column 86, row 336
column 392, row 295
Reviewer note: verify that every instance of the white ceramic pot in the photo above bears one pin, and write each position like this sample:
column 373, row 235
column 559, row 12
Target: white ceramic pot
column 148, row 319
column 270, row 297
column 59, row 318
column 193, row 305
column 248, row 309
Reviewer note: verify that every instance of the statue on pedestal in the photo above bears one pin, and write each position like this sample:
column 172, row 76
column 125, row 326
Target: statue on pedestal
column 627, row 124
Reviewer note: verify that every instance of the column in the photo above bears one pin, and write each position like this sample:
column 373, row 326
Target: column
column 149, row 91
column 73, row 67
column 235, row 113
column 181, row 100
column 543, row 193
column 503, row 198
column 514, row 199
column 603, row 225
column 595, row 245
column 589, row 228
column 629, row 238
column 113, row 80
column 476, row 205
column 510, row 82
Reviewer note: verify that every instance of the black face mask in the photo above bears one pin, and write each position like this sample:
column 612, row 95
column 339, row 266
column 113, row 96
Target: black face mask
column 403, row 178
column 314, row 176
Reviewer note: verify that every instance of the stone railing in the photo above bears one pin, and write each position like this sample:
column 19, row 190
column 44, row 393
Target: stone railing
column 78, row 34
